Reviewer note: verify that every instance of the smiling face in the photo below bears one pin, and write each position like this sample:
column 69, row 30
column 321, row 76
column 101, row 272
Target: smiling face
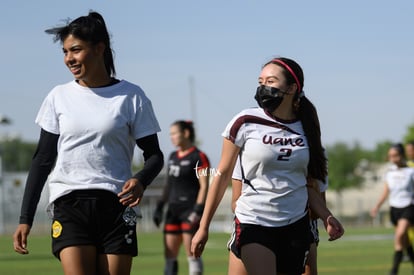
column 85, row 61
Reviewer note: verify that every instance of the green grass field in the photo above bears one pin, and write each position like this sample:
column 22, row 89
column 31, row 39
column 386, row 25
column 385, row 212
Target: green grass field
column 361, row 251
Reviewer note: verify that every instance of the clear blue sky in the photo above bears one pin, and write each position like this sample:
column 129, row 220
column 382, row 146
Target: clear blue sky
column 357, row 57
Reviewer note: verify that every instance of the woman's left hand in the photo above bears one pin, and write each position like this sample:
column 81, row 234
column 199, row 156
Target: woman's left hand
column 198, row 242
column 131, row 193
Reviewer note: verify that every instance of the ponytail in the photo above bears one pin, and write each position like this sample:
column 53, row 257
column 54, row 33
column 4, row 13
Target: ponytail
column 317, row 166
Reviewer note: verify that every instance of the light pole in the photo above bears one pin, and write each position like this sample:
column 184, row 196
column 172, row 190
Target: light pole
column 3, row 121
column 193, row 107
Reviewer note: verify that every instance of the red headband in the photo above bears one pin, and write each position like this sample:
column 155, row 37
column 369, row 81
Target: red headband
column 290, row 70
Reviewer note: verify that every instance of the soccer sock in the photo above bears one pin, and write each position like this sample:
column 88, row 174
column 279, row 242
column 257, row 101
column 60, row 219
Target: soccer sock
column 398, row 255
column 410, row 253
column 195, row 266
column 171, row 266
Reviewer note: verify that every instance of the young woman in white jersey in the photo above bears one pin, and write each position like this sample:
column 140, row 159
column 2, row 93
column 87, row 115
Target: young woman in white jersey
column 279, row 147
column 399, row 188
column 89, row 128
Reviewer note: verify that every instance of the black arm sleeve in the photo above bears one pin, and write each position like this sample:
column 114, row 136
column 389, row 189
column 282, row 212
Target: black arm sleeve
column 153, row 158
column 42, row 163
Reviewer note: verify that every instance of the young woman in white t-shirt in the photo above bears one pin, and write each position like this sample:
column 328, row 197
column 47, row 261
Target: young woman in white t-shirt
column 89, row 128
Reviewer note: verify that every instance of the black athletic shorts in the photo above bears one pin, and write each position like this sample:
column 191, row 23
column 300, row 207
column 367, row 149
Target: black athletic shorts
column 176, row 220
column 92, row 217
column 400, row 213
column 290, row 243
column 314, row 231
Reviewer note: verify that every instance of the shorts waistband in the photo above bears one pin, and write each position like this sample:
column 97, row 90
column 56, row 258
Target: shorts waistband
column 90, row 193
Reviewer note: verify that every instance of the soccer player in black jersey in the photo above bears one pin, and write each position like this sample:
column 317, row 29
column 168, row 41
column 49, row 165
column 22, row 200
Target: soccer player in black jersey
column 185, row 193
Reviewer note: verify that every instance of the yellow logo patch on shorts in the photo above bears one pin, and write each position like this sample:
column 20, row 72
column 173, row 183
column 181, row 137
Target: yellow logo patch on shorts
column 56, row 229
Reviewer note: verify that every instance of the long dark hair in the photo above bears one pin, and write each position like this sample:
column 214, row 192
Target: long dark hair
column 306, row 112
column 90, row 28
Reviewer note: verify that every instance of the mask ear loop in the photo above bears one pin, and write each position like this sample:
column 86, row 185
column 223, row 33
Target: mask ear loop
column 296, row 101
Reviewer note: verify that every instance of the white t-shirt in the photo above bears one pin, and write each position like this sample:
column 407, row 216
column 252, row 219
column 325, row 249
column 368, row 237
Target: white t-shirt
column 400, row 182
column 274, row 157
column 98, row 128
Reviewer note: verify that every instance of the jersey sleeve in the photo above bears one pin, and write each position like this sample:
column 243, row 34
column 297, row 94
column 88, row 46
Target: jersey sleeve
column 203, row 161
column 234, row 130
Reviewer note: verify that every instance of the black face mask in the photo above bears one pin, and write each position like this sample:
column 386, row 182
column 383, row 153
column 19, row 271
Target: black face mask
column 269, row 98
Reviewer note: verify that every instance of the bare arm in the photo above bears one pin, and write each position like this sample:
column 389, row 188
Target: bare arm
column 381, row 200
column 202, row 193
column 333, row 227
column 215, row 194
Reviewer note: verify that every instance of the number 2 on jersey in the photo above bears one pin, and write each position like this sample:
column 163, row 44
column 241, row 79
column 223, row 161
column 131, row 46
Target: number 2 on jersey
column 285, row 154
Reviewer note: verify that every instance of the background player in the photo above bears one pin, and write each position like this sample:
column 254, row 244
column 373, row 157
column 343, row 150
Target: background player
column 399, row 188
column 185, row 193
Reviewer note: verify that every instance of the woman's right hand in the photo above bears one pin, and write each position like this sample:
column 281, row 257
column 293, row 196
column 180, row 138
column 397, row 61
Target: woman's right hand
column 198, row 242
column 374, row 212
column 20, row 238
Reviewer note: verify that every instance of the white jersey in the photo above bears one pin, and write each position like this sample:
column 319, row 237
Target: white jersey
column 274, row 157
column 98, row 128
column 237, row 175
column 400, row 182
